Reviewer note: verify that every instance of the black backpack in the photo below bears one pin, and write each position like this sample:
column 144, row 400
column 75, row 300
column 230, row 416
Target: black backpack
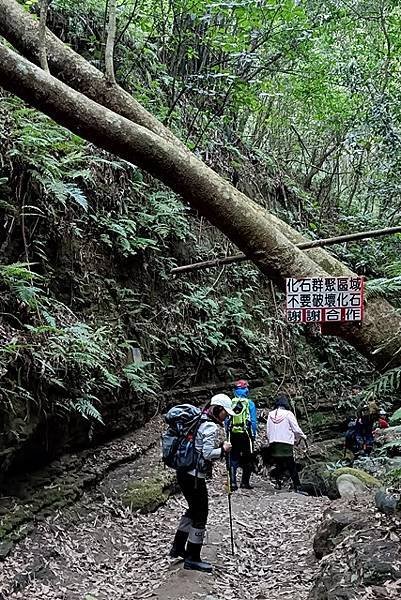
column 178, row 442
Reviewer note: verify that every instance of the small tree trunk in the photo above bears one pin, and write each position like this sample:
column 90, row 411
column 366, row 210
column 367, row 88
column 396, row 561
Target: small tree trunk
column 44, row 5
column 111, row 37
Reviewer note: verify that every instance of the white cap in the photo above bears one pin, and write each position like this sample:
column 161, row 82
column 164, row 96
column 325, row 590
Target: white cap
column 224, row 401
column 382, row 412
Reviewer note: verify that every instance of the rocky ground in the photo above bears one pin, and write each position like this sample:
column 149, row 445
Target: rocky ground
column 287, row 546
column 99, row 549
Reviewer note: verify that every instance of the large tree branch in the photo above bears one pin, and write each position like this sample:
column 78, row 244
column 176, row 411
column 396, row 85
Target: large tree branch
column 250, row 227
column 238, row 258
column 212, row 196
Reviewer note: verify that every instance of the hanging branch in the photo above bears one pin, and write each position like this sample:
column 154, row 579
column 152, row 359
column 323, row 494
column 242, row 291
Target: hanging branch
column 111, row 37
column 129, row 21
column 44, row 5
column 237, row 258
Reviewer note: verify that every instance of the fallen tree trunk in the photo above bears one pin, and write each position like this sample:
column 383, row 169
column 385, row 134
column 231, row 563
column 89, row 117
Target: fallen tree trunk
column 22, row 31
column 250, row 227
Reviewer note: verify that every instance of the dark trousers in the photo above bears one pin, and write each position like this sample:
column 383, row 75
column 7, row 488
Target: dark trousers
column 195, row 493
column 241, row 456
column 284, row 464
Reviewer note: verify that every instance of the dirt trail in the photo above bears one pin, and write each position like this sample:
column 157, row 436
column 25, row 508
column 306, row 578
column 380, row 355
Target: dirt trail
column 98, row 550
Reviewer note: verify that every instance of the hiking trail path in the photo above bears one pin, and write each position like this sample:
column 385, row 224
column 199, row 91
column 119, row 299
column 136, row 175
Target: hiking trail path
column 99, row 550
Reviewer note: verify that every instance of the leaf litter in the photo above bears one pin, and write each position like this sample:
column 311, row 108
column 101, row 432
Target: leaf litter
column 98, row 549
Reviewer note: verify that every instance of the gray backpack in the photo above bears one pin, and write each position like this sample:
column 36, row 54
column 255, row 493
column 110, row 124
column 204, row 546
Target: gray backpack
column 178, row 442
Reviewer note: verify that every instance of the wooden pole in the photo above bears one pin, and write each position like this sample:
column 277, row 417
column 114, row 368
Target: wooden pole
column 237, row 258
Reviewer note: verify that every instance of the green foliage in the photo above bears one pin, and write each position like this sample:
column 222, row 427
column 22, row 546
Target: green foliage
column 394, row 445
column 140, row 379
column 384, row 287
column 217, row 324
column 388, row 383
column 19, row 278
column 395, row 418
column 68, row 191
column 165, row 217
column 393, row 478
column 59, row 348
column 300, row 99
column 85, row 407
column 120, row 233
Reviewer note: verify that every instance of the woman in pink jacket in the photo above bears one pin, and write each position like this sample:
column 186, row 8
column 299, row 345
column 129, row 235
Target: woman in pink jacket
column 282, row 432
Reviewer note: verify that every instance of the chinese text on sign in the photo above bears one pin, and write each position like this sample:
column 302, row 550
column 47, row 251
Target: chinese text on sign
column 324, row 299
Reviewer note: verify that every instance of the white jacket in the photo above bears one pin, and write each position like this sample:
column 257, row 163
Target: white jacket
column 282, row 426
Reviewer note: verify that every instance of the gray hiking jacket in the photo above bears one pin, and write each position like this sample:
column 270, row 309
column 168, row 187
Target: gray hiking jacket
column 207, row 438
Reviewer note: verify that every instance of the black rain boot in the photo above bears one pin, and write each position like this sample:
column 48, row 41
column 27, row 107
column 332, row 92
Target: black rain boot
column 178, row 547
column 193, row 560
column 181, row 537
column 246, row 476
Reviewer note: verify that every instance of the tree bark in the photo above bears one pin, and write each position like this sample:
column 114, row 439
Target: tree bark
column 250, row 227
column 111, row 38
column 44, row 5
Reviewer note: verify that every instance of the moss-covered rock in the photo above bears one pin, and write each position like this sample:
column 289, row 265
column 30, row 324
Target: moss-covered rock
column 318, row 480
column 365, row 478
column 149, row 494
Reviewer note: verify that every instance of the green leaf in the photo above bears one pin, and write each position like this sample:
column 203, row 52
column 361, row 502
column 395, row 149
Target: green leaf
column 395, row 418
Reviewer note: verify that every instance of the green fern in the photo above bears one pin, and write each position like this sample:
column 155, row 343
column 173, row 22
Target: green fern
column 166, row 216
column 140, row 379
column 383, row 287
column 110, row 379
column 394, row 269
column 389, row 382
column 19, row 278
column 395, row 418
column 68, row 191
column 121, row 232
column 390, row 445
column 85, row 407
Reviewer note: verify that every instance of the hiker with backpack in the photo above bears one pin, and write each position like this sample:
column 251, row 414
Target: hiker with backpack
column 242, row 429
column 282, row 433
column 190, row 446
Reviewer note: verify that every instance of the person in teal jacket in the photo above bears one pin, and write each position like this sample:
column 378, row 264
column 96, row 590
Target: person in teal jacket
column 242, row 433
